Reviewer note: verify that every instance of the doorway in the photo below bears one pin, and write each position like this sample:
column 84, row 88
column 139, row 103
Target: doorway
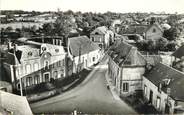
column 167, row 109
column 46, row 76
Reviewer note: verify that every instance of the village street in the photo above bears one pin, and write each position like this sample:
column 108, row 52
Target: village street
column 91, row 96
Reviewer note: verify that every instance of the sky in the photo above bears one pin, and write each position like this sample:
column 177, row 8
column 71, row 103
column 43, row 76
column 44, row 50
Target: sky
column 121, row 6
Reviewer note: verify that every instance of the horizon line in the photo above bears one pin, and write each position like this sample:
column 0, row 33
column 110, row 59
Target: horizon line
column 149, row 12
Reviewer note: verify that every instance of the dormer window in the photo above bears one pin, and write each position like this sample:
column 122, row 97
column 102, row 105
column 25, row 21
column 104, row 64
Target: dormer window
column 43, row 48
column 30, row 53
column 166, row 81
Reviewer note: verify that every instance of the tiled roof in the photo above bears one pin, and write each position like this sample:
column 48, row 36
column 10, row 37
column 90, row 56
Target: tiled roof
column 157, row 25
column 125, row 54
column 161, row 72
column 179, row 52
column 14, row 103
column 82, row 45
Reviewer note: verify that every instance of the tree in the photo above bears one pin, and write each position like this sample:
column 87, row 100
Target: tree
column 151, row 45
column 161, row 44
column 48, row 29
column 64, row 25
column 153, row 20
column 171, row 46
column 171, row 34
column 8, row 29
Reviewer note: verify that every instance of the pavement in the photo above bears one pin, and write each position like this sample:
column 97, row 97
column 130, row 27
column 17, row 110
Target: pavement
column 112, row 87
column 91, row 96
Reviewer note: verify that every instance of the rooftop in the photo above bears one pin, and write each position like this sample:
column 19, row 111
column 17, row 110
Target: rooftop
column 161, row 72
column 100, row 30
column 81, row 45
column 179, row 53
column 125, row 54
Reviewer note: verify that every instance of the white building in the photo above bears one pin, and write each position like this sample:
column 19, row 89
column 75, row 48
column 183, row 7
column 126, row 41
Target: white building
column 83, row 52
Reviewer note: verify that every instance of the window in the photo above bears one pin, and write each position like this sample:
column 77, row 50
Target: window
column 93, row 59
column 29, row 81
column 83, row 59
column 28, row 68
column 154, row 30
column 36, row 67
column 100, row 45
column 93, row 39
column 63, row 62
column 160, row 87
column 46, row 64
column 55, row 75
column 100, row 40
column 145, row 90
column 125, row 87
column 36, row 79
column 17, row 72
column 158, row 102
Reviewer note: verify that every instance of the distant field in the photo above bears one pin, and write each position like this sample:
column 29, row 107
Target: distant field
column 21, row 24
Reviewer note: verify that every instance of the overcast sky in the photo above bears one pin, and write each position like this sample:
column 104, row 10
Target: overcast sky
column 169, row 6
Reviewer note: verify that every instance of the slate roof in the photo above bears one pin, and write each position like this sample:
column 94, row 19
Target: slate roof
column 101, row 30
column 161, row 72
column 140, row 28
column 81, row 45
column 179, row 52
column 32, row 50
column 157, row 25
column 125, row 54
column 136, row 29
column 35, row 49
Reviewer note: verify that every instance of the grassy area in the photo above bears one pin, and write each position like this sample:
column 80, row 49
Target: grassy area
column 21, row 24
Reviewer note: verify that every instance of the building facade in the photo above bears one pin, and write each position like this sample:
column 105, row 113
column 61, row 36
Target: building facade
column 101, row 36
column 154, row 32
column 83, row 52
column 126, row 67
column 33, row 64
column 162, row 87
